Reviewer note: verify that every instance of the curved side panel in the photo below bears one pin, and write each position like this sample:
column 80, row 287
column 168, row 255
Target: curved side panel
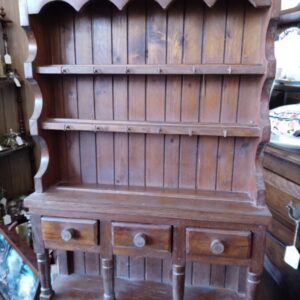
column 32, row 52
column 39, row 180
column 44, row 162
column 34, row 7
column 38, row 107
column 265, row 97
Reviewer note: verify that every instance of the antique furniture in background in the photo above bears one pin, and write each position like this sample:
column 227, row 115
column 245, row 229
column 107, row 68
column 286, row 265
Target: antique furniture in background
column 16, row 164
column 282, row 179
column 151, row 117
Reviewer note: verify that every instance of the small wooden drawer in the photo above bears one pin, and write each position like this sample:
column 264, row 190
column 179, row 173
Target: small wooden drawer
column 69, row 234
column 132, row 238
column 210, row 242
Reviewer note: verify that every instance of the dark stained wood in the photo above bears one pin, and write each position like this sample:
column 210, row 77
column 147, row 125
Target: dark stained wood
column 153, row 69
column 83, row 47
column 45, row 278
column 178, row 282
column 167, row 270
column 282, row 187
column 279, row 193
column 108, row 279
column 282, row 233
column 153, row 127
column 211, row 94
column 236, row 244
column 201, row 274
column 284, row 276
column 65, row 262
column 83, row 52
column 85, row 232
column 14, row 181
column 190, row 94
column 122, row 266
column 157, row 237
column 42, row 255
column 175, row 27
column 230, row 90
column 232, row 277
column 282, row 162
column 152, row 119
column 136, row 111
column 90, row 287
column 169, row 207
column 217, row 278
column 103, row 93
column 119, row 40
column 253, row 280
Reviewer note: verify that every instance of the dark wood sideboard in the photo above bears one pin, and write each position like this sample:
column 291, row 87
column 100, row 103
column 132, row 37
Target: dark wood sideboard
column 151, row 117
column 282, row 177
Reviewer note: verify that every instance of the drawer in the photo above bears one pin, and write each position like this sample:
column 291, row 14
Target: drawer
column 141, row 238
column 69, row 234
column 210, row 242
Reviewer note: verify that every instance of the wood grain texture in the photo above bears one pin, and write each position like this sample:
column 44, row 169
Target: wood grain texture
column 122, row 79
column 236, row 244
column 169, row 207
column 157, row 237
column 172, row 47
column 153, row 127
column 279, row 193
column 90, row 287
column 85, row 231
column 136, row 111
column 283, row 163
column 156, row 68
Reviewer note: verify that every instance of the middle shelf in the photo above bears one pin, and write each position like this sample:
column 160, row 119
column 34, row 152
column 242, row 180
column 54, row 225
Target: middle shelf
column 204, row 129
column 214, row 69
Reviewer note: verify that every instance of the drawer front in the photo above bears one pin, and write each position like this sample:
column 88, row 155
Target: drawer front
column 68, row 233
column 226, row 243
column 142, row 237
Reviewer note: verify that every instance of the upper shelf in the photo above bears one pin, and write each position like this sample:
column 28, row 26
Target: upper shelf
column 35, row 6
column 154, row 69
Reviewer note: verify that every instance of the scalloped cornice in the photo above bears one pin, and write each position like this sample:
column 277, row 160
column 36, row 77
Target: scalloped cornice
column 34, row 6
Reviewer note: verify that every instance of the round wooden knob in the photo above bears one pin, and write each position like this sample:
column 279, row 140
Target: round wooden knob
column 139, row 240
column 217, row 247
column 67, row 234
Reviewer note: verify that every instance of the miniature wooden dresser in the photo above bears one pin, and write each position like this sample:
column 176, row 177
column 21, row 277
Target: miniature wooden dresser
column 150, row 116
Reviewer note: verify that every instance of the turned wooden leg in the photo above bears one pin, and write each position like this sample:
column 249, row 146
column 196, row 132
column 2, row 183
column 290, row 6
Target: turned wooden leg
column 108, row 278
column 253, row 280
column 45, row 276
column 178, row 274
